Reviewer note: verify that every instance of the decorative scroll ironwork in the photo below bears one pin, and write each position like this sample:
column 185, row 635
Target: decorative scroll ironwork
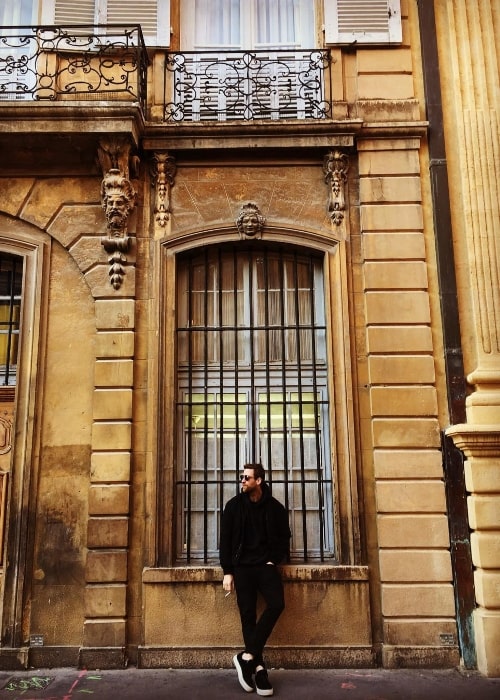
column 247, row 85
column 46, row 63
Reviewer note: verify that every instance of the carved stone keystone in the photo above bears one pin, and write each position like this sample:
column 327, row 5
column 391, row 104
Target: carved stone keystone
column 250, row 221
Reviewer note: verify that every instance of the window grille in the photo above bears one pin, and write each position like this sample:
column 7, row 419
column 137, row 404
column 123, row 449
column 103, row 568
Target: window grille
column 252, row 386
column 11, row 277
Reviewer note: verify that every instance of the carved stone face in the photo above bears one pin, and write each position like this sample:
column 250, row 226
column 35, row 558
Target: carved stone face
column 116, row 209
column 250, row 224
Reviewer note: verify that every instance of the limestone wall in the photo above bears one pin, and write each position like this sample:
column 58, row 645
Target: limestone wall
column 101, row 585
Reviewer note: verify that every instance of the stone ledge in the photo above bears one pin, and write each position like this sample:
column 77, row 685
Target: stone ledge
column 102, row 658
column 14, row 659
column 53, row 657
column 420, row 657
column 277, row 657
column 290, row 572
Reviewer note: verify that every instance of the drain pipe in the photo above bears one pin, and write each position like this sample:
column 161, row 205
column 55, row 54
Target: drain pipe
column 453, row 462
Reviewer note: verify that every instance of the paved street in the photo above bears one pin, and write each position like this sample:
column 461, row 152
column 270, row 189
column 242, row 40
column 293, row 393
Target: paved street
column 141, row 684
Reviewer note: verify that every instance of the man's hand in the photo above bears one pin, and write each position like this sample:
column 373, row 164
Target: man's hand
column 228, row 583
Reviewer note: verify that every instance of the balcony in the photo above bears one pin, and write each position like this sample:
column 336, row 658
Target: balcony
column 110, row 63
column 246, row 86
column 73, row 63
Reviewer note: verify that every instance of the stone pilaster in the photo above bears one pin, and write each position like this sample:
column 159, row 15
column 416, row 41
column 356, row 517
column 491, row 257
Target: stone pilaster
column 412, row 547
column 470, row 84
column 109, row 497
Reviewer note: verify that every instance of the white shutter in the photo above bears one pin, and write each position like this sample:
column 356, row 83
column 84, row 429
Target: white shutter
column 362, row 21
column 71, row 12
column 152, row 15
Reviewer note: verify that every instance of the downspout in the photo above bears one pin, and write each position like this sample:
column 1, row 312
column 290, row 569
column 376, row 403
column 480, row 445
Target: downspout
column 453, row 467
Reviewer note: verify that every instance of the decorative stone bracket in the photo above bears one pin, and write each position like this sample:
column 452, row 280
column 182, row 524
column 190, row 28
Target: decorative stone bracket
column 335, row 166
column 250, row 221
column 163, row 170
column 116, row 247
column 118, row 199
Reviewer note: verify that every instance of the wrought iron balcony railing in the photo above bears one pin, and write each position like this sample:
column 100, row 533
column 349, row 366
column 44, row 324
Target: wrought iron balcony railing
column 77, row 62
column 247, row 85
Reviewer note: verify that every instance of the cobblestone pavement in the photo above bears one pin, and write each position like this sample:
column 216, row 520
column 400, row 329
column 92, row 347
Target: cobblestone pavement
column 143, row 684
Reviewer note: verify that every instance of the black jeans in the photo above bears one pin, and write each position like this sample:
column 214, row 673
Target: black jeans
column 248, row 582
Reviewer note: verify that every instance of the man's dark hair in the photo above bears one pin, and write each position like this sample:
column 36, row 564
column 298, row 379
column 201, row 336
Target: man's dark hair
column 258, row 471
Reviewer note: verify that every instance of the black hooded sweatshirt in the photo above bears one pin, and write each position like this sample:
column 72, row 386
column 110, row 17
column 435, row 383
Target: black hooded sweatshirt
column 253, row 533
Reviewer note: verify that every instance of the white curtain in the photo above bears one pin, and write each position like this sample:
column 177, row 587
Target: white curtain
column 278, row 23
column 16, row 12
column 252, row 24
column 217, row 23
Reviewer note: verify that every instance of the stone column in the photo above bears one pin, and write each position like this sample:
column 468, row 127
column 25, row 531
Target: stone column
column 469, row 58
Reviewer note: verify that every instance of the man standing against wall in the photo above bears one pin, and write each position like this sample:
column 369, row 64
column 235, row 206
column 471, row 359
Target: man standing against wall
column 255, row 537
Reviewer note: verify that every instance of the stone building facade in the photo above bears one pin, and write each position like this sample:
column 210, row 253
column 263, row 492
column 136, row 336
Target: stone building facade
column 215, row 255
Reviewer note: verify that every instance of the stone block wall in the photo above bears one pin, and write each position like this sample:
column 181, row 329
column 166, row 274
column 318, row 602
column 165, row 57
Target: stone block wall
column 417, row 604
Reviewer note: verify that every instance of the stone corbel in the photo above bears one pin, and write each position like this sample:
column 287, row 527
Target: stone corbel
column 163, row 170
column 250, row 221
column 114, row 154
column 118, row 199
column 335, row 166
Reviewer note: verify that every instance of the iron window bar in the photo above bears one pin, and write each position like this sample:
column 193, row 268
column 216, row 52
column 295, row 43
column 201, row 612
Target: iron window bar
column 11, row 276
column 246, row 400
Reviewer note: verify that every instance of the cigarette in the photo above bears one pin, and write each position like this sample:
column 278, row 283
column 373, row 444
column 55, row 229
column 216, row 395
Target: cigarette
column 227, row 594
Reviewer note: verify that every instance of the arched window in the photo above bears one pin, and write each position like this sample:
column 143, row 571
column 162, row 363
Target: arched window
column 252, row 386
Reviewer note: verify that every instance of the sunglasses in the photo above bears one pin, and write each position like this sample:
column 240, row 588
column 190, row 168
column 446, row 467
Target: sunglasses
column 245, row 477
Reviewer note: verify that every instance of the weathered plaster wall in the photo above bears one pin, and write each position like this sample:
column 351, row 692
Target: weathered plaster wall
column 64, row 465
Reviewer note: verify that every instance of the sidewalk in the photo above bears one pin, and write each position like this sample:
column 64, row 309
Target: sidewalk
column 170, row 684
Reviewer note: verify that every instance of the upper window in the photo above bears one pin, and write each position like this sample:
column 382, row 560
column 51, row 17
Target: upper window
column 248, row 59
column 247, row 24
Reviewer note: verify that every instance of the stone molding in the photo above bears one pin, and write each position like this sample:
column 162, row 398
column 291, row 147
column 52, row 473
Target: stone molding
column 475, row 440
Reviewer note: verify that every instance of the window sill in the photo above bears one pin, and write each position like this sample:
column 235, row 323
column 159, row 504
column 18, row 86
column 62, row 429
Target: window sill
column 291, row 572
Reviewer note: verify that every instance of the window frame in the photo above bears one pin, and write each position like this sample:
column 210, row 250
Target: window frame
column 33, row 245
column 278, row 368
column 247, row 29
column 340, row 383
